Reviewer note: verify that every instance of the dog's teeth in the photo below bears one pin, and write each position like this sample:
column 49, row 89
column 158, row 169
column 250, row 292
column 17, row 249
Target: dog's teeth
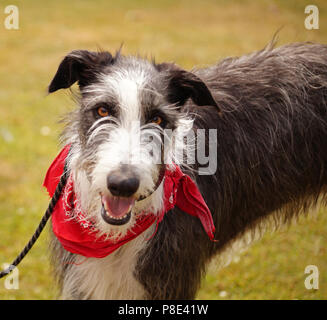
column 116, row 218
column 105, row 206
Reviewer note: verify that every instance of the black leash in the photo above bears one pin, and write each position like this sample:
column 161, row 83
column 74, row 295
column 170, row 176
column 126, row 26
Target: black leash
column 48, row 213
column 45, row 218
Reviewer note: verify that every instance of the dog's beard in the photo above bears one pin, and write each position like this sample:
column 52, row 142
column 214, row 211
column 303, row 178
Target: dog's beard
column 115, row 146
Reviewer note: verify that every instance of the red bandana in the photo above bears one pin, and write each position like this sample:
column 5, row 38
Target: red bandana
column 78, row 235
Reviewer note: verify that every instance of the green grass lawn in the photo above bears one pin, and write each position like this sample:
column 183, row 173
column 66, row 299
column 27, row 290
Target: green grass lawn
column 188, row 32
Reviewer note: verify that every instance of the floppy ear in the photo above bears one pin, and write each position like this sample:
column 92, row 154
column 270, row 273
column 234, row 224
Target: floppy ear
column 81, row 66
column 183, row 85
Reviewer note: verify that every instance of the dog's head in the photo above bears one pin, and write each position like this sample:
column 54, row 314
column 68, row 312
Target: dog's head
column 128, row 123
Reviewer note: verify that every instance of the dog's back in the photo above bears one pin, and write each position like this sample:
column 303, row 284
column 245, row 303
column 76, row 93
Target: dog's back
column 271, row 153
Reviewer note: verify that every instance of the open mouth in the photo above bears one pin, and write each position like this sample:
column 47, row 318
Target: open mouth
column 116, row 210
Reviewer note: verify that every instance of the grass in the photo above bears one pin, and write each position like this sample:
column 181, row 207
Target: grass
column 190, row 33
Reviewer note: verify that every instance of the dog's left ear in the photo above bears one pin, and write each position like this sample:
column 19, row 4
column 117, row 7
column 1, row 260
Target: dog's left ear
column 183, row 85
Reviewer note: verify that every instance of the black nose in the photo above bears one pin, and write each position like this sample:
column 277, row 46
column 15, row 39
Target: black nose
column 122, row 184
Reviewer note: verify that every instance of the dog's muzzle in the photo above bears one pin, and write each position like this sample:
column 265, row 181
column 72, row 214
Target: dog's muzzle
column 123, row 185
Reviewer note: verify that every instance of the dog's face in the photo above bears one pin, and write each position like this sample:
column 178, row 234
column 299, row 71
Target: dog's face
column 127, row 126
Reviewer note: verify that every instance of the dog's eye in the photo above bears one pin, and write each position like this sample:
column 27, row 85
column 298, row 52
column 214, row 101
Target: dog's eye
column 157, row 120
column 102, row 111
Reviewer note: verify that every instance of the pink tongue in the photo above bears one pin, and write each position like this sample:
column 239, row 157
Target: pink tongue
column 117, row 206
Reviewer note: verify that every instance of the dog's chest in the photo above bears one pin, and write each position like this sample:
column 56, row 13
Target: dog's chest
column 112, row 277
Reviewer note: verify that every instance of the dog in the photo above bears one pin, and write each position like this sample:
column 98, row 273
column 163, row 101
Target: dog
column 269, row 112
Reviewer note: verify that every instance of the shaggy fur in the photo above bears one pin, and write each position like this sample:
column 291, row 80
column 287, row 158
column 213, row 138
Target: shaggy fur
column 270, row 112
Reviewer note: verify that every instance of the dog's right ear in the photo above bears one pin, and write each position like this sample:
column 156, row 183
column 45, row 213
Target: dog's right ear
column 183, row 85
column 81, row 66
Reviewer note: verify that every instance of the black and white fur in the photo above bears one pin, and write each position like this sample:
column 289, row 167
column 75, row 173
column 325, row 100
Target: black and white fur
column 270, row 112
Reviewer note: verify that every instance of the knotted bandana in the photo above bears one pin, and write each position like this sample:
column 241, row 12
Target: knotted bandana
column 78, row 235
